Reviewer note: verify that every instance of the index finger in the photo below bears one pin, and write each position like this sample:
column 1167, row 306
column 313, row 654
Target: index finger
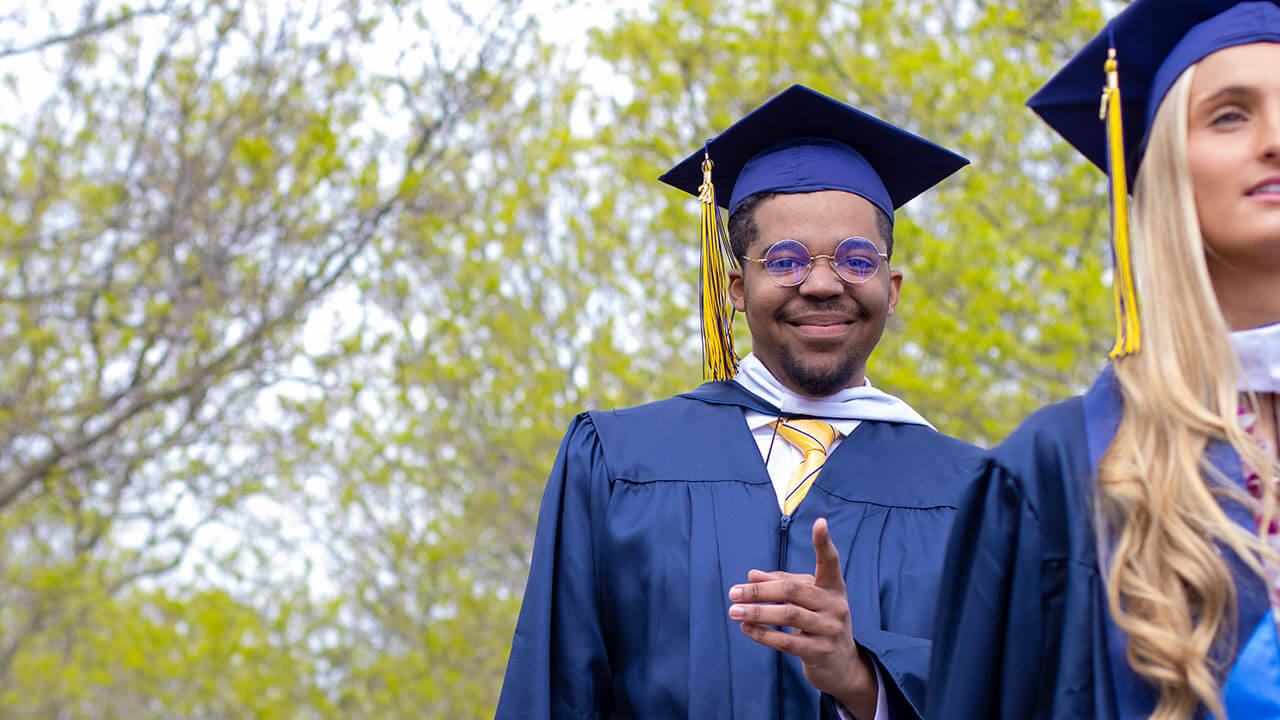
column 827, row 573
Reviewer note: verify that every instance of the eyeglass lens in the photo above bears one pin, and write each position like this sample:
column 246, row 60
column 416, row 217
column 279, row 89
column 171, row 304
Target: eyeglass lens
column 855, row 260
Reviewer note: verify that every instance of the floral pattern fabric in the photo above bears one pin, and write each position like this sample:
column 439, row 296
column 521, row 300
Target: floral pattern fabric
column 1253, row 481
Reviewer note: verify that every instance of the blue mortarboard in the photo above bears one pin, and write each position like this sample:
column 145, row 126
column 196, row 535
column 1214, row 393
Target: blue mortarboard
column 803, row 141
column 1155, row 41
column 799, row 141
column 1138, row 57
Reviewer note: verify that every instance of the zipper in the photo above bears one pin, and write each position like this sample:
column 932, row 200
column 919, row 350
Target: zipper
column 783, row 535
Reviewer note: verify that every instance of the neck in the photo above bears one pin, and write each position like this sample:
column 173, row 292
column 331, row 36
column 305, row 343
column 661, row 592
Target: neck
column 859, row 382
column 1248, row 298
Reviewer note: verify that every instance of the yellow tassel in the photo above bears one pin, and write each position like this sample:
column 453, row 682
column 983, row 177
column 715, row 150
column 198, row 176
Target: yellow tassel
column 1125, row 290
column 719, row 361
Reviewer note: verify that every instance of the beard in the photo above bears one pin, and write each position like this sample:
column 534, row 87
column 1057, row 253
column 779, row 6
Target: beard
column 817, row 379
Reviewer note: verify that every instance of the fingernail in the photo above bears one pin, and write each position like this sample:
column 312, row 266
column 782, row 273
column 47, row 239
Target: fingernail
column 736, row 612
column 735, row 593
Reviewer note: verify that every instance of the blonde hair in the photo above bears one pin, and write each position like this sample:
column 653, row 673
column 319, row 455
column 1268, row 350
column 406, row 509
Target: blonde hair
column 1168, row 587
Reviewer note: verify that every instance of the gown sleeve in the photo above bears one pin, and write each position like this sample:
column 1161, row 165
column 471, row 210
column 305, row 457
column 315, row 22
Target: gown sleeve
column 902, row 662
column 990, row 618
column 559, row 667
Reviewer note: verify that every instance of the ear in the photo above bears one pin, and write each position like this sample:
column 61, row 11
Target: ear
column 895, row 287
column 737, row 292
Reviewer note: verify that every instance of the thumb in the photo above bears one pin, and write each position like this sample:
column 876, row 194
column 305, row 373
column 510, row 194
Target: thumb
column 827, row 573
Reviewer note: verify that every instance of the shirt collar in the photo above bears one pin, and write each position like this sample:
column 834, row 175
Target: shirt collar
column 1258, row 351
column 757, row 420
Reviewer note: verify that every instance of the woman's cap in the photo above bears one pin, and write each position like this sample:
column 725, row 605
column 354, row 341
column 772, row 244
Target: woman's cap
column 1154, row 42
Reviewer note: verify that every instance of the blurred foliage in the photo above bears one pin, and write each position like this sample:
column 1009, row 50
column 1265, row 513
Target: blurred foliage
column 298, row 298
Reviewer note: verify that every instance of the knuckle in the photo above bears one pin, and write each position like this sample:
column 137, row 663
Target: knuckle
column 787, row 643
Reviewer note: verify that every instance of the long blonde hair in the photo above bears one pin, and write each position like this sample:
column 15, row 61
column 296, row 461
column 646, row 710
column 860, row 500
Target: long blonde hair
column 1168, row 587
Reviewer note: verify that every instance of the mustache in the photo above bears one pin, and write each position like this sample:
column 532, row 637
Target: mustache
column 831, row 307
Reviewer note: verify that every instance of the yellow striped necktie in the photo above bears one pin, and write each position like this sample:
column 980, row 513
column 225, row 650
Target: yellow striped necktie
column 813, row 438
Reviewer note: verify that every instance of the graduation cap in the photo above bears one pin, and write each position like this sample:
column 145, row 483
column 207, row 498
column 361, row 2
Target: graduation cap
column 799, row 141
column 1134, row 61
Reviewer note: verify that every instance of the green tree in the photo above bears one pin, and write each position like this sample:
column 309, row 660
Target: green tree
column 156, row 654
column 480, row 334
column 180, row 213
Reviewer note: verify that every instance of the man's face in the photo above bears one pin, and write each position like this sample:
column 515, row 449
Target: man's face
column 815, row 337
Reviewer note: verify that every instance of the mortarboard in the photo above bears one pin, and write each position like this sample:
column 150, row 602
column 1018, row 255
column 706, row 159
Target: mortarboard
column 803, row 141
column 1135, row 60
column 799, row 141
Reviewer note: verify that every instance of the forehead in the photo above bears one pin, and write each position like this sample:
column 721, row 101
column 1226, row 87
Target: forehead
column 1253, row 66
column 816, row 218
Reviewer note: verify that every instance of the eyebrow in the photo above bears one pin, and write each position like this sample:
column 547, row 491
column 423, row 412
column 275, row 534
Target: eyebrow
column 1230, row 91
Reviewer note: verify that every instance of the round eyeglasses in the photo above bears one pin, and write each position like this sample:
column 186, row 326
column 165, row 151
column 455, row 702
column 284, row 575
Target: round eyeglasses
column 788, row 261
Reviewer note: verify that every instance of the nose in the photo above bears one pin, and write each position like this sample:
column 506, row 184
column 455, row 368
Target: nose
column 1271, row 150
column 823, row 282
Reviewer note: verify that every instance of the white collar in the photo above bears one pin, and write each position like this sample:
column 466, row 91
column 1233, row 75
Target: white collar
column 855, row 403
column 1258, row 350
column 756, row 420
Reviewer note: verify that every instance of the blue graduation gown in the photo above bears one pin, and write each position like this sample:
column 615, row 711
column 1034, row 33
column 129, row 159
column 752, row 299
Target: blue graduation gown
column 651, row 514
column 1023, row 629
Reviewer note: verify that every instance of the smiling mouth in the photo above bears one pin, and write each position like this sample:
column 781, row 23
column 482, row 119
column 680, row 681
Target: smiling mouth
column 821, row 328
column 1271, row 188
